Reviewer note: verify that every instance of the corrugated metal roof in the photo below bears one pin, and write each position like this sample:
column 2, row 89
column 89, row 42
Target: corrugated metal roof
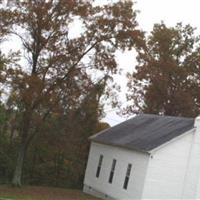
column 144, row 132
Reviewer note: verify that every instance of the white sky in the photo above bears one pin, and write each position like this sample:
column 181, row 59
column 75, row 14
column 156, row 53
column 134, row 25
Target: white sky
column 151, row 12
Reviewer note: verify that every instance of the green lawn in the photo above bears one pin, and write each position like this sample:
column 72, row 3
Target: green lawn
column 42, row 193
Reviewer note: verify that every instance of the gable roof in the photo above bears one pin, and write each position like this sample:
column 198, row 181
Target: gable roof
column 144, row 132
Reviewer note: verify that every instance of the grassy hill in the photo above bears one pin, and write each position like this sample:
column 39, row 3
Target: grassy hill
column 41, row 193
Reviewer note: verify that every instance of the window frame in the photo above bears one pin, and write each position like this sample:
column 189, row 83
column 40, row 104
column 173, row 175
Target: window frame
column 112, row 171
column 127, row 176
column 98, row 170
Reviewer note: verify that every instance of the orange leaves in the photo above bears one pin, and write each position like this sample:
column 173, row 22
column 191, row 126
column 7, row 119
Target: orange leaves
column 160, row 84
column 62, row 74
column 57, row 74
column 59, row 66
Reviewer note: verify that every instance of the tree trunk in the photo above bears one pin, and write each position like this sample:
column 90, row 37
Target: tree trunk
column 16, row 181
column 26, row 139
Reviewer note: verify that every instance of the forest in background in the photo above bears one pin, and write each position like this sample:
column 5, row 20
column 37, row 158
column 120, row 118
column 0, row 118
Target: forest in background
column 54, row 89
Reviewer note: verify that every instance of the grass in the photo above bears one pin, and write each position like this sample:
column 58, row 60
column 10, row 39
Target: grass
column 42, row 193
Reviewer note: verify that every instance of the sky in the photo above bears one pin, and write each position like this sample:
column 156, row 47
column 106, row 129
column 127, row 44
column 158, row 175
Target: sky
column 151, row 12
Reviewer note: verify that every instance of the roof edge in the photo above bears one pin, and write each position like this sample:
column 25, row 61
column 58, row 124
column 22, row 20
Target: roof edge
column 100, row 132
column 154, row 150
column 120, row 146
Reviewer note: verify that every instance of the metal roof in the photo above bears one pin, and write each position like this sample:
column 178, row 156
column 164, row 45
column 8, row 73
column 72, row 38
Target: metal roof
column 144, row 132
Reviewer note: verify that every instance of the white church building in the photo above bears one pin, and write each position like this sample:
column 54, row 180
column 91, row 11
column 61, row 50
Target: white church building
column 146, row 157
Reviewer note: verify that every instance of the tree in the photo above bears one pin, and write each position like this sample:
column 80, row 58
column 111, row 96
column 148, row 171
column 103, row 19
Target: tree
column 166, row 79
column 58, row 64
column 59, row 157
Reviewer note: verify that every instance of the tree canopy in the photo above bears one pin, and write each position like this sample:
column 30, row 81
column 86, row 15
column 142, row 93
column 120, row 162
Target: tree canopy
column 51, row 73
column 166, row 78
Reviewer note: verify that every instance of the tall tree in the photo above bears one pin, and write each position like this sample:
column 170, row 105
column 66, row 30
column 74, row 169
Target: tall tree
column 63, row 147
column 58, row 61
column 166, row 78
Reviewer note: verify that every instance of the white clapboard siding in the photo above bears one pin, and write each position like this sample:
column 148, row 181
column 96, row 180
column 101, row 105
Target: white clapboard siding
column 170, row 171
column 167, row 168
column 139, row 163
column 192, row 178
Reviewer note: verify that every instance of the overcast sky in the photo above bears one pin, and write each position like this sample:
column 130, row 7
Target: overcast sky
column 151, row 12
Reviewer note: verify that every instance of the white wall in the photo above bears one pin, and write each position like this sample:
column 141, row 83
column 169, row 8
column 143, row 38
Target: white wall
column 191, row 187
column 167, row 169
column 139, row 163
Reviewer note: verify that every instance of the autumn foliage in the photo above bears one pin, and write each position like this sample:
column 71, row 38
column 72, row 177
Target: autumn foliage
column 54, row 88
column 50, row 79
column 166, row 78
